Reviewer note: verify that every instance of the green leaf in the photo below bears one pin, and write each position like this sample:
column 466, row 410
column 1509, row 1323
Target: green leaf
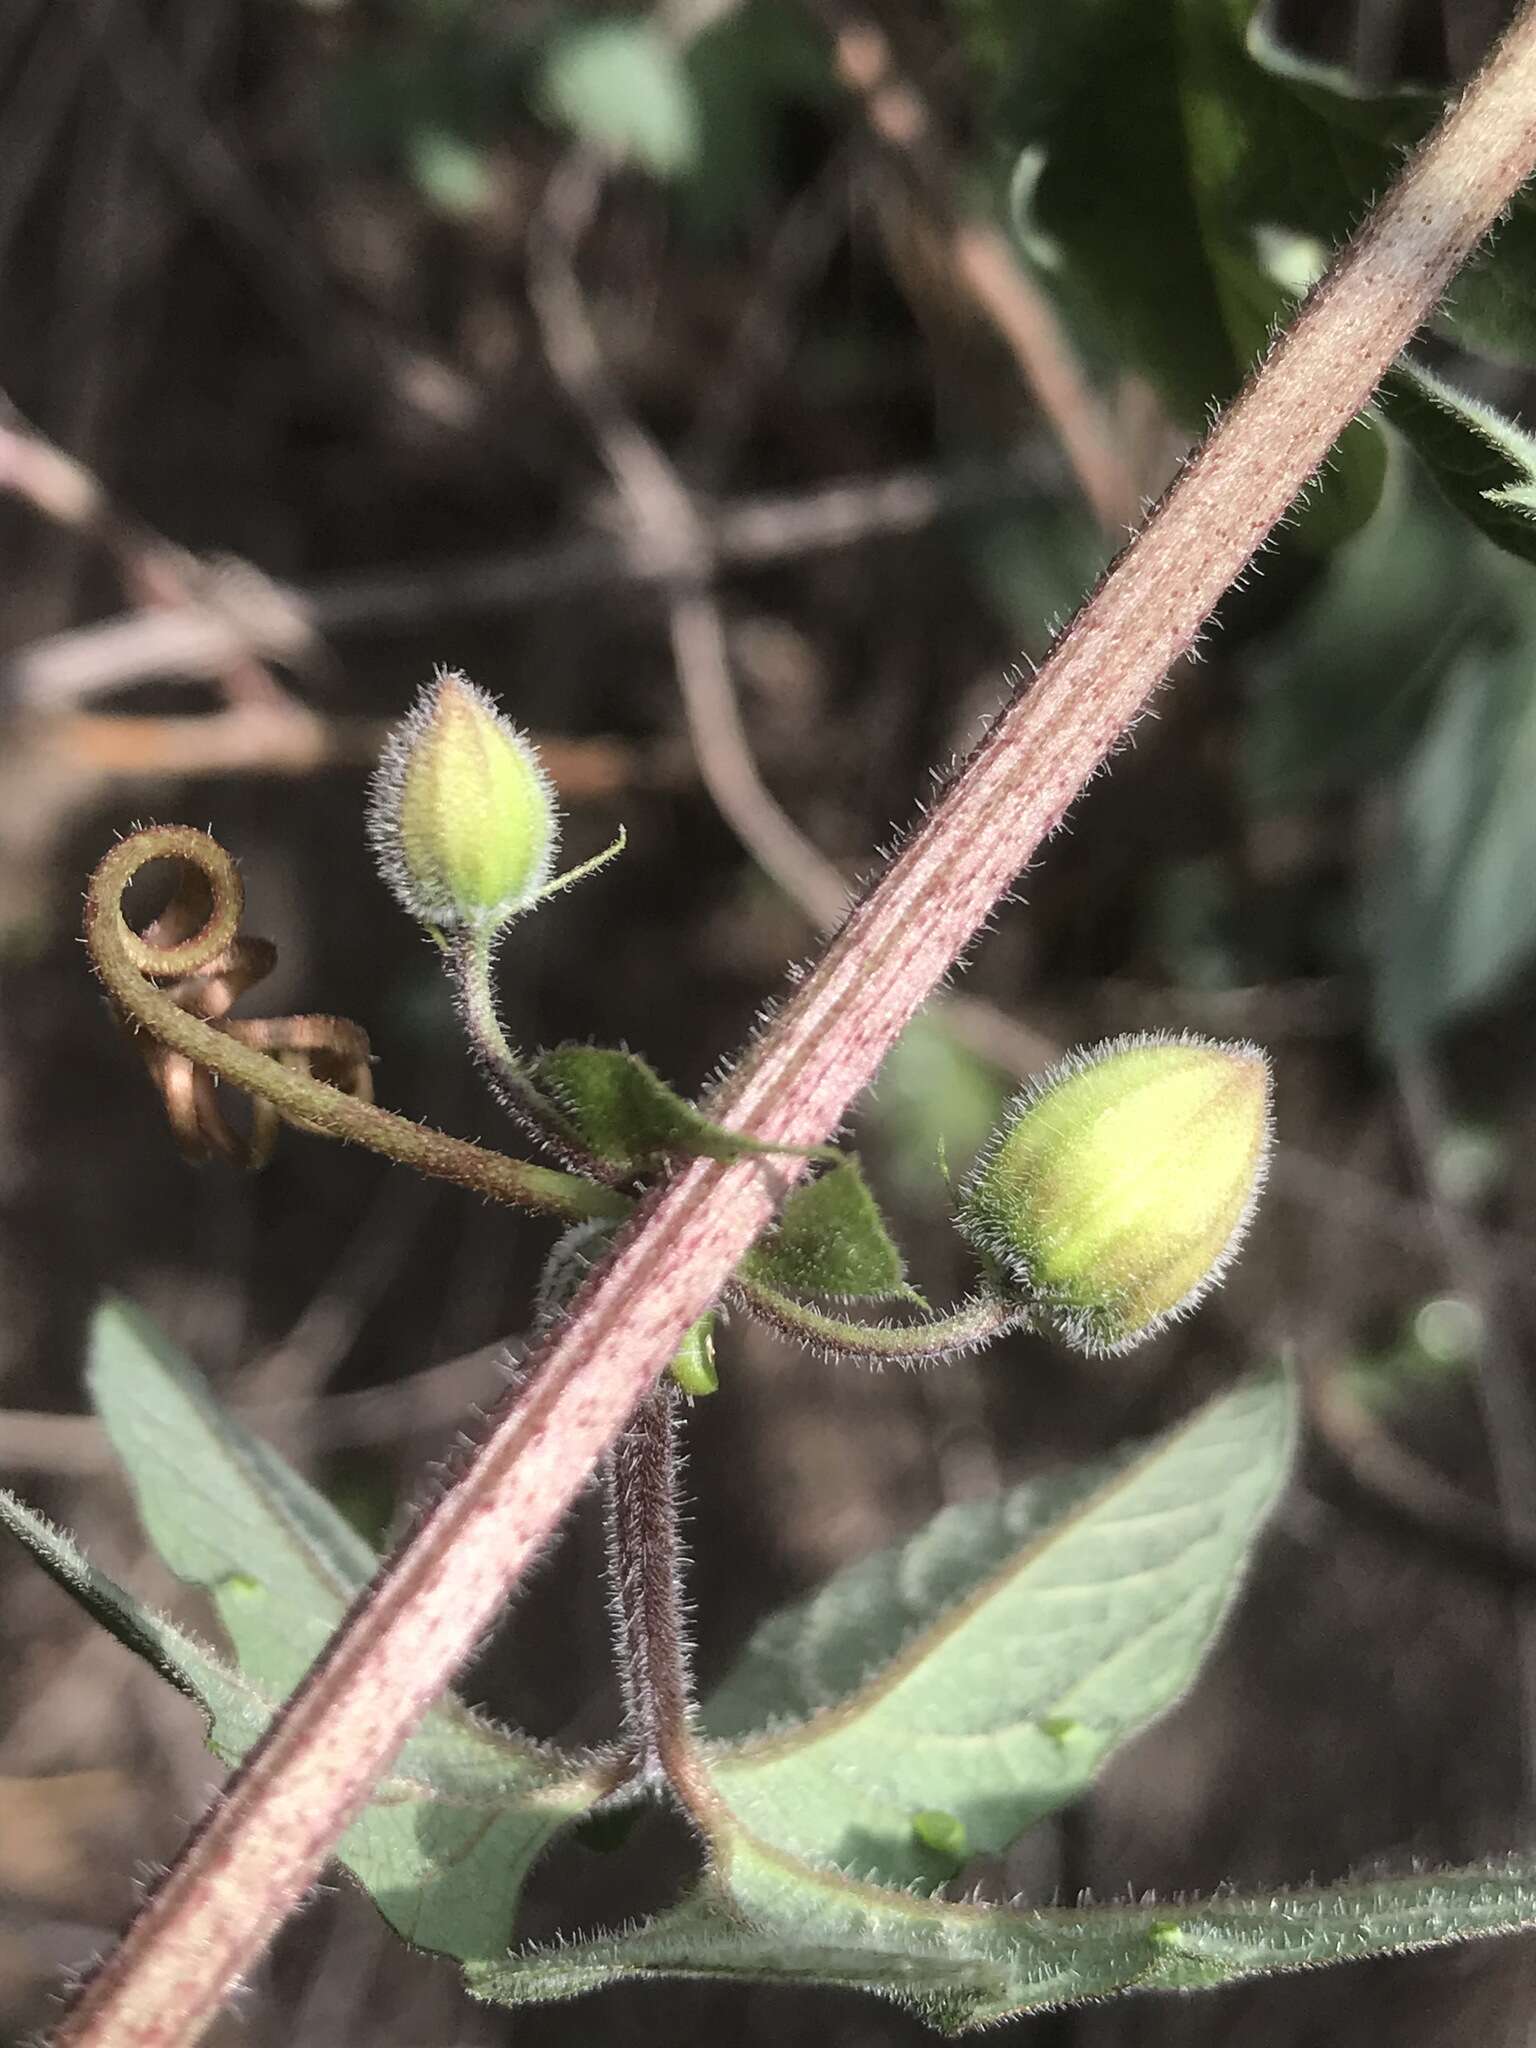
column 1177, row 168
column 1274, row 165
column 831, row 1240
column 622, row 86
column 988, row 1666
column 1492, row 308
column 1484, row 462
column 1277, row 156
column 1165, row 155
column 628, row 1115
column 759, row 71
column 761, row 1916
column 449, row 173
column 1449, row 908
column 1341, row 693
column 237, row 1708
column 220, row 1507
column 468, row 1806
column 1261, row 174
column 1093, row 95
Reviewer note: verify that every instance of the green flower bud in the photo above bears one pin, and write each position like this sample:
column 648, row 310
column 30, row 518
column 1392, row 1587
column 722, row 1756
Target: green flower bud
column 1117, row 1190
column 461, row 813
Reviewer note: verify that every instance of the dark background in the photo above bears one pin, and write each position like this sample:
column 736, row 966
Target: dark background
column 265, row 271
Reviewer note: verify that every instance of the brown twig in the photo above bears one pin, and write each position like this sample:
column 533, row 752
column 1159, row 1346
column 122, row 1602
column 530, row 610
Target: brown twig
column 101, row 749
column 746, row 532
column 284, row 265
column 32, row 1440
column 804, row 240
column 663, row 513
column 666, row 517
column 242, row 614
column 265, row 1839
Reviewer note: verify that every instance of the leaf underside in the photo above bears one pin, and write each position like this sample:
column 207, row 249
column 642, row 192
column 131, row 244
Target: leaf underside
column 451, row 1834
column 962, row 1967
column 949, row 1689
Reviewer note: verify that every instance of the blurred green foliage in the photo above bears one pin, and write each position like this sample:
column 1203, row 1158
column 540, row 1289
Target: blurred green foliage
column 1177, row 177
column 436, row 95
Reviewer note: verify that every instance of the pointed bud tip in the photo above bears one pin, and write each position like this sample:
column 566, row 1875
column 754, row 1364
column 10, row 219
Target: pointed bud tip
column 1117, row 1190
column 461, row 813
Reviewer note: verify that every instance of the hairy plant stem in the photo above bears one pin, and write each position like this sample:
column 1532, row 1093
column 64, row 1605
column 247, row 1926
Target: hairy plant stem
column 264, row 1841
column 931, row 1341
column 470, row 957
column 645, row 1565
column 123, row 960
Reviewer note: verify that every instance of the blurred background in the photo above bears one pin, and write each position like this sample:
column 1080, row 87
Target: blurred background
column 677, row 374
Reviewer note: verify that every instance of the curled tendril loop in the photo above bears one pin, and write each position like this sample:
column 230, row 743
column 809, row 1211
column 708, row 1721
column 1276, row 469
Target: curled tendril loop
column 312, row 1072
column 196, row 950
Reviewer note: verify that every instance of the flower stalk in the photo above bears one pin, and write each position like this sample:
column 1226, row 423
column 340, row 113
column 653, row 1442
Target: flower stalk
column 470, row 963
column 932, row 1340
column 645, row 1566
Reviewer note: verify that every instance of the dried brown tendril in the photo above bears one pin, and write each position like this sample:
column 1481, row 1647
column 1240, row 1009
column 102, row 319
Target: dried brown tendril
column 331, row 1049
column 174, row 985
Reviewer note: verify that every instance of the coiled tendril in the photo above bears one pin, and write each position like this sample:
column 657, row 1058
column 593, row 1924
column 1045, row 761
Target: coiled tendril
column 310, row 1071
column 206, row 978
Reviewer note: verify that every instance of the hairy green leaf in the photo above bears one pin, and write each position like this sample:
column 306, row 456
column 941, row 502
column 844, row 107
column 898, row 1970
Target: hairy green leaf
column 628, row 1115
column 451, row 1834
column 762, row 1916
column 986, row 1667
column 237, row 1708
column 831, row 1240
column 1484, row 462
column 220, row 1507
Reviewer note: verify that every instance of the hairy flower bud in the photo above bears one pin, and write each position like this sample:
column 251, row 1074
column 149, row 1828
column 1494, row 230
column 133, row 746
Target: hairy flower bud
column 1116, row 1192
column 461, row 813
